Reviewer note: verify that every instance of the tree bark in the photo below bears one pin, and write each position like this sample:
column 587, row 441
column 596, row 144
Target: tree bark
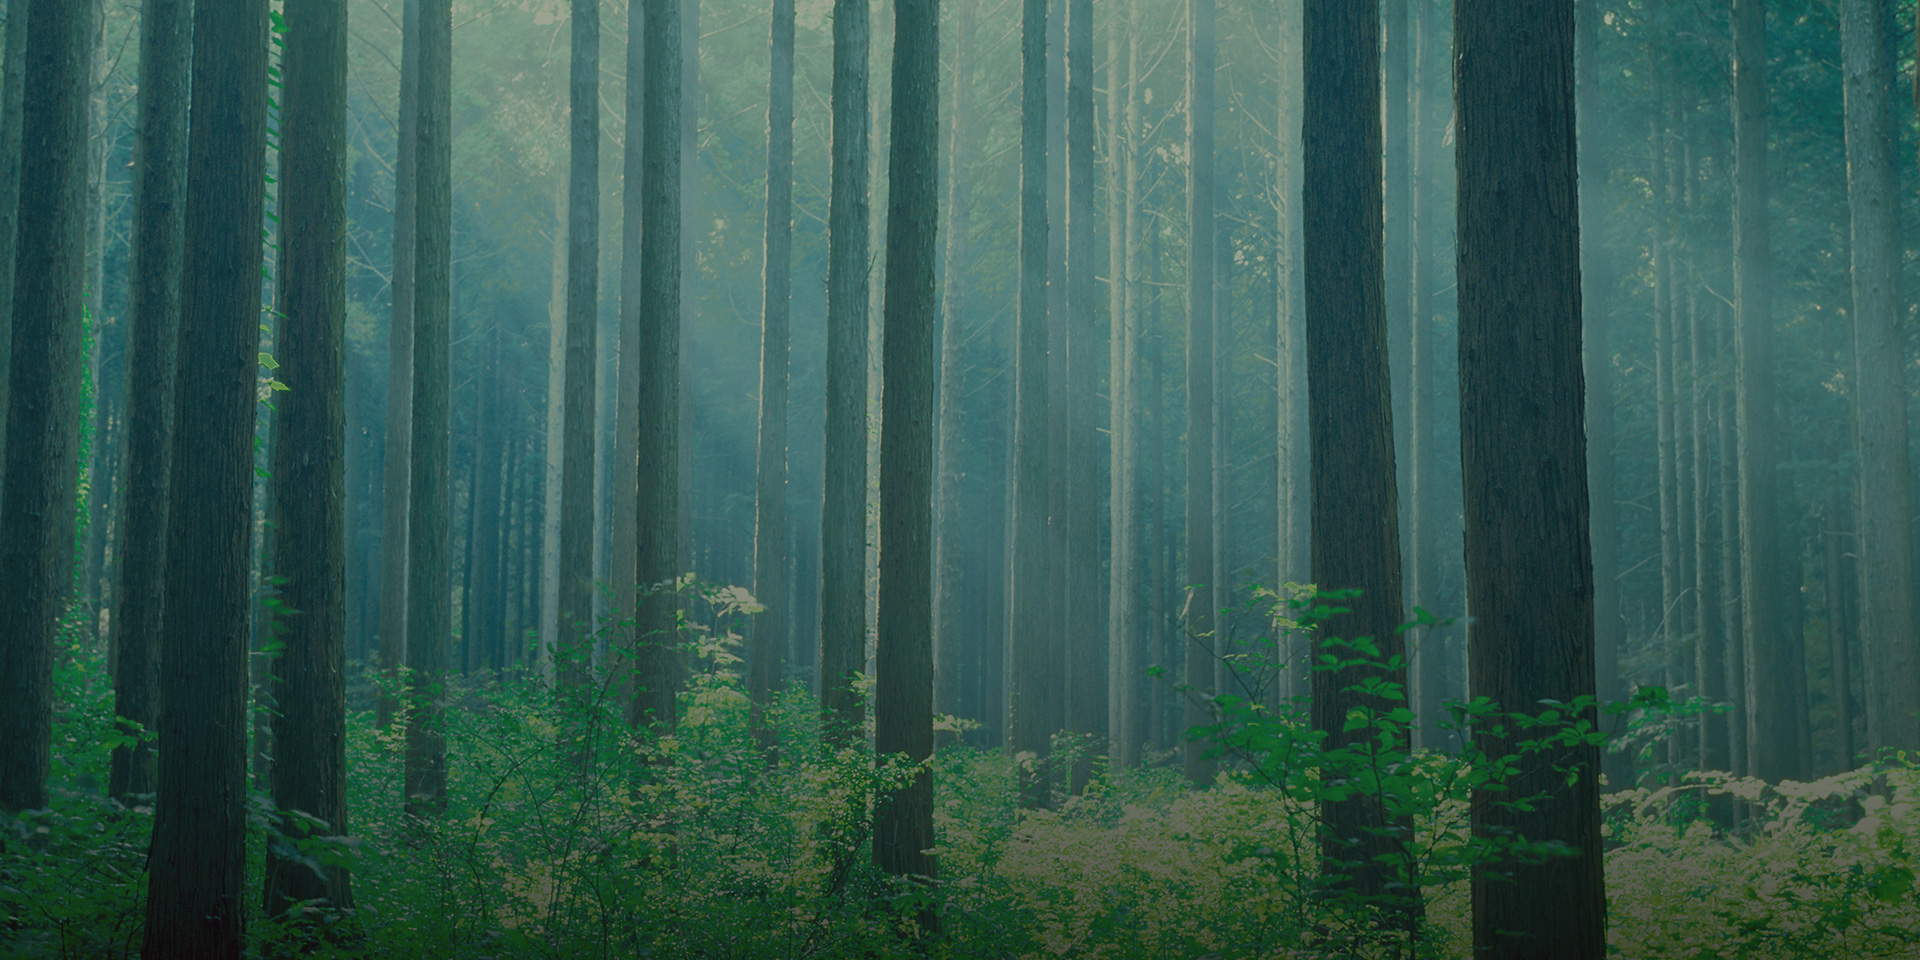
column 397, row 470
column 198, row 860
column 1033, row 713
column 429, row 570
column 656, row 507
column 1769, row 730
column 950, row 659
column 1523, row 459
column 770, row 497
column 903, row 833
column 626, row 433
column 153, row 293
column 1199, row 619
column 1294, row 494
column 1085, row 639
column 573, row 645
column 1356, row 540
column 310, row 728
column 13, row 76
column 38, row 498
column 843, row 516
column 1126, row 660
column 1887, row 618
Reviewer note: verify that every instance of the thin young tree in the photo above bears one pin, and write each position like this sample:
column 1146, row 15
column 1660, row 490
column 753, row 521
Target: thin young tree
column 1033, row 700
column 153, row 293
column 776, row 306
column 309, row 772
column 656, row 503
column 1523, row 462
column 397, row 471
column 903, row 835
column 41, row 471
column 1887, row 617
column 1356, row 539
column 197, row 866
column 575, row 621
column 429, row 567
column 843, row 510
column 1200, row 386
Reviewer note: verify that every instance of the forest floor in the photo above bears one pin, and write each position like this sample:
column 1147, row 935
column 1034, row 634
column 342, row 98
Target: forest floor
column 712, row 850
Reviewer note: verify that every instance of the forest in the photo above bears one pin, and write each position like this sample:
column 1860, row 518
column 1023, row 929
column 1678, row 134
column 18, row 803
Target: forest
column 1131, row 479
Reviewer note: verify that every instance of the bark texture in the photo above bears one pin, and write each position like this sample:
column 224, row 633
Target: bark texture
column 198, row 861
column 576, row 625
column 309, row 772
column 1523, row 460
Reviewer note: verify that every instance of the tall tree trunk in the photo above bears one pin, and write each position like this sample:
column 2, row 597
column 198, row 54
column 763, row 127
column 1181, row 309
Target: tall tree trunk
column 1425, row 515
column 310, row 727
column 38, row 498
column 1127, row 661
column 626, row 431
column 1735, row 663
column 13, row 77
column 397, row 469
column 1835, row 535
column 1356, row 540
column 1396, row 100
column 657, row 658
column 573, row 649
column 153, row 293
column 1085, row 639
column 1769, row 731
column 903, row 690
column 1668, row 633
column 198, row 859
column 770, row 514
column 1887, row 619
column 429, row 573
column 843, row 514
column 687, row 189
column 1523, row 459
column 555, row 476
column 1199, row 619
column 950, row 660
column 1033, row 713
column 1294, row 495
column 1709, row 666
column 486, row 600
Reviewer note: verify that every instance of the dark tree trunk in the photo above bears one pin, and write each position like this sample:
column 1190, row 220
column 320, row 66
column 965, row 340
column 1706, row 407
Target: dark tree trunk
column 1523, row 460
column 1086, row 615
column 770, row 496
column 1199, row 619
column 310, row 727
column 197, row 865
column 1769, row 723
column 903, row 690
column 573, row 646
column 397, row 470
column 656, row 507
column 160, row 147
column 1033, row 699
column 42, row 463
column 843, row 514
column 1356, row 540
column 13, row 85
column 429, row 571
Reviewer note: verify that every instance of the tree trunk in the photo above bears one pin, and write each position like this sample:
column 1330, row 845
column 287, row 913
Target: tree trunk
column 1523, row 459
column 626, row 431
column 1294, row 495
column 903, row 833
column 13, row 76
column 1735, row 663
column 1126, row 660
column 310, row 727
column 1769, row 723
column 657, row 660
column 1356, row 540
column 1086, row 615
column 1840, row 591
column 770, row 515
column 1887, row 619
column 198, row 860
column 397, row 469
column 153, row 293
column 429, row 594
column 1396, row 101
column 572, row 644
column 950, row 660
column 1200, row 387
column 42, row 463
column 1033, row 713
column 1425, row 514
